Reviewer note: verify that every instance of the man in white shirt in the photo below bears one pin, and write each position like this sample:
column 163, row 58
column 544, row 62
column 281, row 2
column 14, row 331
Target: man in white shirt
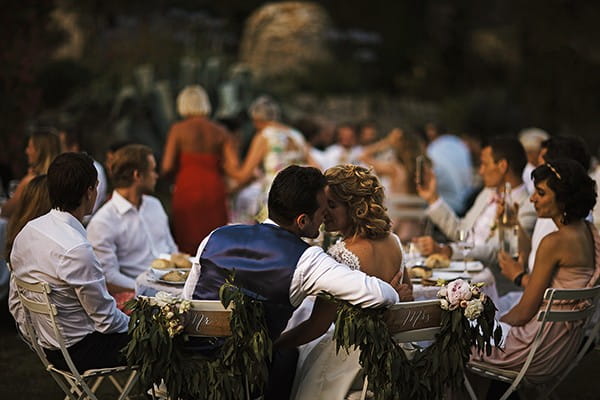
column 502, row 161
column 53, row 248
column 345, row 150
column 273, row 263
column 132, row 228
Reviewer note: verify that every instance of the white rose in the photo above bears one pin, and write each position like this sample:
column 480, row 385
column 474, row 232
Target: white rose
column 458, row 290
column 164, row 297
column 475, row 290
column 169, row 315
column 474, row 309
column 444, row 304
column 463, row 303
column 443, row 292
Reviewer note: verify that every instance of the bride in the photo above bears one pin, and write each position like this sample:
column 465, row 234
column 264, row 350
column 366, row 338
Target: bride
column 356, row 210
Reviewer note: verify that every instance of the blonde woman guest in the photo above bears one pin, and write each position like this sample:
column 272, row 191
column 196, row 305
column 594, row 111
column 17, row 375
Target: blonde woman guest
column 355, row 201
column 273, row 147
column 35, row 201
column 42, row 149
column 197, row 153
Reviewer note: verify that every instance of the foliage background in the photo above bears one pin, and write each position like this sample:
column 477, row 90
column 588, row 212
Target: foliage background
column 488, row 68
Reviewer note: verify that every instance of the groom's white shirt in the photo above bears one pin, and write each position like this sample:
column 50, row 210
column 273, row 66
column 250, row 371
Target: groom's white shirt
column 318, row 272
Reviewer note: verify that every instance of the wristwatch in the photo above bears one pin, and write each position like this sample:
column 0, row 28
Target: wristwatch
column 519, row 278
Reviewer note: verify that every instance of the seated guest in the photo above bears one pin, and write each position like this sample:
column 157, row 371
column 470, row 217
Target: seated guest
column 367, row 245
column 567, row 259
column 53, row 248
column 42, row 147
column 345, row 150
column 532, row 139
column 502, row 161
column 273, row 263
column 35, row 202
column 132, row 228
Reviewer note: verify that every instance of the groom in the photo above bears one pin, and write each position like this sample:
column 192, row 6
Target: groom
column 272, row 262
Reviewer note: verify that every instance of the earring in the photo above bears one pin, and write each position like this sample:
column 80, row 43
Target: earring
column 564, row 218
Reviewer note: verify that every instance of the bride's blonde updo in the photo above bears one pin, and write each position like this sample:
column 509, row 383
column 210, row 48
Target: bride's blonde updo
column 362, row 193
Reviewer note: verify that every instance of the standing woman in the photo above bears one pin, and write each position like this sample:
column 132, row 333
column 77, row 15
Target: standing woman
column 42, row 149
column 273, row 147
column 566, row 259
column 196, row 152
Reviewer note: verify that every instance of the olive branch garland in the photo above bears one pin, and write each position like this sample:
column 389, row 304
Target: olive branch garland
column 220, row 376
column 432, row 371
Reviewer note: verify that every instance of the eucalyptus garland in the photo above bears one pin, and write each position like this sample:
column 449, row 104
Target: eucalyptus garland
column 432, row 371
column 220, row 376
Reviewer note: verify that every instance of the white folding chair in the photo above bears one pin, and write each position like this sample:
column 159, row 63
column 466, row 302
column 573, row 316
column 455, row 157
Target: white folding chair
column 546, row 316
column 412, row 321
column 35, row 299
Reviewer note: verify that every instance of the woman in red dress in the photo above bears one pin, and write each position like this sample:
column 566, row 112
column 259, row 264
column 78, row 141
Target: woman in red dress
column 197, row 151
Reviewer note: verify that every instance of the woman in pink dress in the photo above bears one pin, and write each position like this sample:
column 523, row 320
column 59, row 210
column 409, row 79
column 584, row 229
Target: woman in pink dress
column 567, row 259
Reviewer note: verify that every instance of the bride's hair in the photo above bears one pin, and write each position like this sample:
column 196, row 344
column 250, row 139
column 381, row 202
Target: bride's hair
column 362, row 193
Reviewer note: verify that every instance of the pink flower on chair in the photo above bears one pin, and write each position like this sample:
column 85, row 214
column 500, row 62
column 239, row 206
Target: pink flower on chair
column 458, row 290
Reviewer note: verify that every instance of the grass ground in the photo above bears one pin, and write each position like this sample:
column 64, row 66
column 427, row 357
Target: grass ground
column 22, row 376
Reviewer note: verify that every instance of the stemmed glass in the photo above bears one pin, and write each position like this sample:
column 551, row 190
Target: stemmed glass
column 465, row 244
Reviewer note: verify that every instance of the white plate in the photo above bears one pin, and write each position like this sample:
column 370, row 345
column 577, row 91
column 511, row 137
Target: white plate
column 459, row 266
column 447, row 276
column 160, row 272
column 167, row 256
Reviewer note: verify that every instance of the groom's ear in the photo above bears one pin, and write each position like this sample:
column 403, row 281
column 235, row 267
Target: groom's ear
column 301, row 221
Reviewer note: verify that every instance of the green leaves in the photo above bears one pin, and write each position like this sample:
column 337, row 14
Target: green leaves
column 245, row 354
column 432, row 371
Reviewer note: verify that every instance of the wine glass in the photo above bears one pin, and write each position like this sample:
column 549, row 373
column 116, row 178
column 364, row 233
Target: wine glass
column 465, row 244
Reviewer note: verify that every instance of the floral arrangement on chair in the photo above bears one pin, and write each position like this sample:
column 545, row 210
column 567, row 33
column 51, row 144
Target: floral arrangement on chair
column 158, row 348
column 467, row 322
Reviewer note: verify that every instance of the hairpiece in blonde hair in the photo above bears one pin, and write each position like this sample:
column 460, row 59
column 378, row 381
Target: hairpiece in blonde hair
column 553, row 170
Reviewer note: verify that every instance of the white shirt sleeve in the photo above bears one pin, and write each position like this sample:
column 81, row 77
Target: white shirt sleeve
column 192, row 279
column 318, row 272
column 101, row 236
column 80, row 270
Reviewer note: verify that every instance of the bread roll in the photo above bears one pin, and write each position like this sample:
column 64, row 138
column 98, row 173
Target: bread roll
column 181, row 260
column 420, row 272
column 161, row 263
column 175, row 276
column 437, row 261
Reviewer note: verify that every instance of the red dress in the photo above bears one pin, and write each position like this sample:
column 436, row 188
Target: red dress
column 199, row 203
column 199, row 200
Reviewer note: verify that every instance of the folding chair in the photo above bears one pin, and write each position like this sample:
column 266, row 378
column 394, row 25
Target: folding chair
column 35, row 299
column 546, row 316
column 412, row 321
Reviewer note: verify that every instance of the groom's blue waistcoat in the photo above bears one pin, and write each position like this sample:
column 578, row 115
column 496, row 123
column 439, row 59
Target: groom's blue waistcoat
column 264, row 258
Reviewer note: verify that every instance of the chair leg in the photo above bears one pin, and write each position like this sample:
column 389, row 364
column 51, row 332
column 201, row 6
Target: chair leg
column 470, row 390
column 131, row 380
column 363, row 395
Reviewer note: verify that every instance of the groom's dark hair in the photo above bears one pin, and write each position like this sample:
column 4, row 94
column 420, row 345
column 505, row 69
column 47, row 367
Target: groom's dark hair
column 294, row 192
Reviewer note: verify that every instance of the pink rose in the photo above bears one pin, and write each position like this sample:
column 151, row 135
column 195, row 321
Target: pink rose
column 458, row 290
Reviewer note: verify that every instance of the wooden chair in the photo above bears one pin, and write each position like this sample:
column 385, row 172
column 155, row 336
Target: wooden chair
column 546, row 316
column 35, row 299
column 412, row 321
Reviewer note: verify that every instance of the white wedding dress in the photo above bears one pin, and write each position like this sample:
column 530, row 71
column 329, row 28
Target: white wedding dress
column 321, row 373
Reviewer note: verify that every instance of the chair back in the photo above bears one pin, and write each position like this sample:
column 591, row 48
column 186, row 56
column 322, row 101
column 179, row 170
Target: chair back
column 414, row 321
column 589, row 295
column 35, row 300
column 208, row 318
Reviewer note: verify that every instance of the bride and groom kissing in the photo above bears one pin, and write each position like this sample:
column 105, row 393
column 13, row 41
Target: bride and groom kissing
column 272, row 262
